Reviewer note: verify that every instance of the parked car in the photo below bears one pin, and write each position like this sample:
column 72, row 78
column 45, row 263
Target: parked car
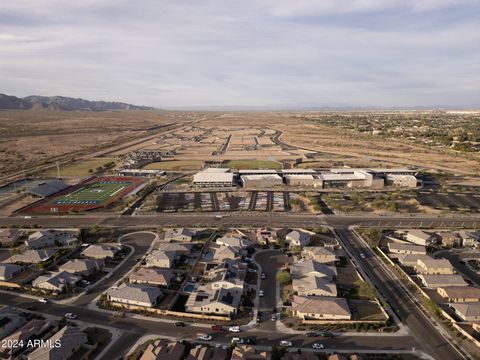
column 71, row 316
column 237, row 340
column 274, row 317
column 234, row 329
column 286, row 343
column 216, row 327
column 43, row 300
column 205, row 337
column 312, row 334
column 250, row 270
column 249, row 341
column 317, row 346
column 260, row 293
column 263, row 276
column 179, row 323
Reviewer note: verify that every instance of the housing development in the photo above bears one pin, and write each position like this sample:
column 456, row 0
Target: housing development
column 240, row 180
column 154, row 256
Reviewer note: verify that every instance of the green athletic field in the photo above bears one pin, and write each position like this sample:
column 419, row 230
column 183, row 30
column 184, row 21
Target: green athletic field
column 95, row 193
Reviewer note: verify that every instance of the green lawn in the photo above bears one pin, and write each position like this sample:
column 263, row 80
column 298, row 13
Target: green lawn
column 252, row 164
column 175, row 165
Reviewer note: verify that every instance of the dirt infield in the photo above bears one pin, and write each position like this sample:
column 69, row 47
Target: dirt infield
column 92, row 193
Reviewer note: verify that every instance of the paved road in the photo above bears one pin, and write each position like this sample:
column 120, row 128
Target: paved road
column 268, row 262
column 133, row 328
column 248, row 220
column 404, row 305
column 140, row 243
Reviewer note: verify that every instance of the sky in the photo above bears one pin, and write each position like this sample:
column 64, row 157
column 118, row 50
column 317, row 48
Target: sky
column 200, row 53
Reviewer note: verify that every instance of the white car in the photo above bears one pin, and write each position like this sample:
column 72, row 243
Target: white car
column 205, row 337
column 71, row 316
column 234, row 329
column 286, row 343
column 260, row 293
column 317, row 346
column 362, row 255
column 237, row 340
column 43, row 300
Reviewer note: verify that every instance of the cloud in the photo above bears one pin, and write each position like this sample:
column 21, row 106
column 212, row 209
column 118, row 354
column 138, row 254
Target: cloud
column 189, row 53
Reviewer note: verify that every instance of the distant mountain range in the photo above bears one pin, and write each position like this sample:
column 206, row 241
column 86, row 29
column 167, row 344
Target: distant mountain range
column 8, row 102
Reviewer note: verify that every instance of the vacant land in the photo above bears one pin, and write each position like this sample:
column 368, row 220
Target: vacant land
column 80, row 169
column 32, row 138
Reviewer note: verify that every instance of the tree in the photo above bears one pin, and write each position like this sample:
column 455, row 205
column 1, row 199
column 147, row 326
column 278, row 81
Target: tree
column 283, row 277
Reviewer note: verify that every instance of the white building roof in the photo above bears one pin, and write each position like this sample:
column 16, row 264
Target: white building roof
column 261, row 177
column 208, row 176
column 298, row 171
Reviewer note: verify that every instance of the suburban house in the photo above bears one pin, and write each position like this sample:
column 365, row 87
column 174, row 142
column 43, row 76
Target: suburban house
column 434, row 266
column 328, row 242
column 83, row 267
column 166, row 255
column 161, row 259
column 266, row 235
column 163, row 350
column 9, row 237
column 235, row 242
column 56, row 282
column 225, row 252
column 48, row 238
column 226, row 278
column 459, row 293
column 409, row 259
column 71, row 339
column 203, row 352
column 139, row 295
column 9, row 271
column 467, row 311
column 102, row 251
column 214, row 301
column 435, row 281
column 182, row 234
column 420, row 237
column 10, row 320
column 312, row 267
column 159, row 277
column 320, row 308
column 404, row 248
column 302, row 356
column 320, row 254
column 246, row 352
column 34, row 329
column 297, row 238
column 312, row 285
column 32, row 256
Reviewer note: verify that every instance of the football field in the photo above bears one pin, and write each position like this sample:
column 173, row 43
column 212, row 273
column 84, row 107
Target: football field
column 94, row 193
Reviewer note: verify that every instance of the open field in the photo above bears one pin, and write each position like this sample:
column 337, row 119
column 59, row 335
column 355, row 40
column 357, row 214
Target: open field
column 252, row 164
column 80, row 169
column 33, row 138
